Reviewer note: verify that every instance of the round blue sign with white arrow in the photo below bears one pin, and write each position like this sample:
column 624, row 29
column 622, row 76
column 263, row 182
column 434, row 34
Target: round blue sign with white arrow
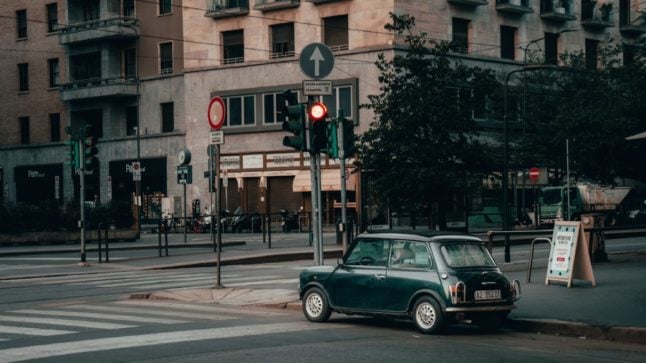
column 316, row 60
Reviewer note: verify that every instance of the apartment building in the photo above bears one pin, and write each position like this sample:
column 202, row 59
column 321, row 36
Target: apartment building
column 141, row 74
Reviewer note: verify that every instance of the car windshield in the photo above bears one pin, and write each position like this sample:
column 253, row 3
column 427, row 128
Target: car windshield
column 466, row 255
column 551, row 196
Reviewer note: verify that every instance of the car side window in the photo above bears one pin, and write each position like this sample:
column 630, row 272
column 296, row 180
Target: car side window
column 408, row 254
column 369, row 252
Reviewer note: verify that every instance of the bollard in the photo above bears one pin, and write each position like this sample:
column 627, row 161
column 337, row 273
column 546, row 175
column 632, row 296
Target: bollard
column 159, row 245
column 269, row 235
column 166, row 237
column 107, row 246
column 98, row 235
column 265, row 223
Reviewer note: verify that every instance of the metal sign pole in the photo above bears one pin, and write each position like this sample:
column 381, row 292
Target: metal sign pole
column 217, row 213
column 185, row 218
column 344, row 214
column 315, row 225
column 319, row 204
column 81, row 149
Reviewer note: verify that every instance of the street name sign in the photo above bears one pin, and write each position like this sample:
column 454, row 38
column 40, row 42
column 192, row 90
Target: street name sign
column 314, row 87
column 316, row 60
column 216, row 137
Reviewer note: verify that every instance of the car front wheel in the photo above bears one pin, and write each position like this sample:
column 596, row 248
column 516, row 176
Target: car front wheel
column 427, row 315
column 315, row 306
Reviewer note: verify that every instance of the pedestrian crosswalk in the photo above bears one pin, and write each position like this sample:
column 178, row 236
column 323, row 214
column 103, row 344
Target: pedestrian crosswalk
column 66, row 329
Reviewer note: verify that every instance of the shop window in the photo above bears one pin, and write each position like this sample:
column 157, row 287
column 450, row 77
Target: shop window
column 282, row 40
column 168, row 117
column 233, row 47
column 335, row 32
column 461, row 35
column 507, row 42
column 52, row 17
column 241, row 110
column 52, row 65
column 21, row 24
column 24, row 130
column 23, row 77
column 55, row 126
column 166, row 57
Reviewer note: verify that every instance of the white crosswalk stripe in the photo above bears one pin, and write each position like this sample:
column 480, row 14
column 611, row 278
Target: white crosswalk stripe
column 64, row 322
column 148, row 311
column 75, row 314
column 194, row 307
column 7, row 329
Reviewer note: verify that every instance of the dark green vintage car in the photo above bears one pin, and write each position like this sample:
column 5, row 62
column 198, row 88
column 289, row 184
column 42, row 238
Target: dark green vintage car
column 431, row 278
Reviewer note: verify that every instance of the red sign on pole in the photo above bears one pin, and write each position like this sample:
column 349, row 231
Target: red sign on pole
column 533, row 174
column 216, row 113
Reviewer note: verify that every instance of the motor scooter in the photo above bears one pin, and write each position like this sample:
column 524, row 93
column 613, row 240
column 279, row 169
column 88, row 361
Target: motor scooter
column 289, row 220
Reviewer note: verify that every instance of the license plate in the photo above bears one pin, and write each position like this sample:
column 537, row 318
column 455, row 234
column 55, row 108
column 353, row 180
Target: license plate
column 487, row 294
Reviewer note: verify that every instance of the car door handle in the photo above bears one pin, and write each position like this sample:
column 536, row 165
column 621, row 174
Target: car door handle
column 380, row 276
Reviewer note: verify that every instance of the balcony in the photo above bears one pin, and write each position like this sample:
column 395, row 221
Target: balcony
column 557, row 10
column 632, row 28
column 269, row 5
column 113, row 28
column 470, row 3
column 316, row 2
column 596, row 16
column 218, row 9
column 516, row 7
column 99, row 87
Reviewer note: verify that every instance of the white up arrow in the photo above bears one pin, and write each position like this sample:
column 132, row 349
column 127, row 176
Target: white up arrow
column 317, row 57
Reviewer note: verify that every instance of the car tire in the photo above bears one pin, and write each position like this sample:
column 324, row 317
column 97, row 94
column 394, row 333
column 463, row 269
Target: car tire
column 427, row 315
column 315, row 306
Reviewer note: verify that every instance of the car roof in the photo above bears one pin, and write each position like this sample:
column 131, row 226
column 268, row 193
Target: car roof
column 417, row 235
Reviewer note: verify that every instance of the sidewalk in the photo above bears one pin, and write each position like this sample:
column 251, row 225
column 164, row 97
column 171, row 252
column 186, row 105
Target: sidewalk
column 614, row 309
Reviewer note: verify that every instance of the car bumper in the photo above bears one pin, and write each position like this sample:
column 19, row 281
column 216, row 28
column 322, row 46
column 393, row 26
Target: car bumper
column 469, row 309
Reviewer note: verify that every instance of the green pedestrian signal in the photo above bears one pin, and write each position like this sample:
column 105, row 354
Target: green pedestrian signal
column 332, row 140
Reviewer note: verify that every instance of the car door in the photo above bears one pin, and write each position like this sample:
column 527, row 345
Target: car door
column 410, row 269
column 357, row 284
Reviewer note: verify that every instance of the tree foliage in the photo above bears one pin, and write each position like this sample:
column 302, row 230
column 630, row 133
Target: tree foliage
column 423, row 142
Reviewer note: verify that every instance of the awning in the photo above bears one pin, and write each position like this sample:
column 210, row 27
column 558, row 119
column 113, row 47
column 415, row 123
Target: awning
column 641, row 135
column 330, row 181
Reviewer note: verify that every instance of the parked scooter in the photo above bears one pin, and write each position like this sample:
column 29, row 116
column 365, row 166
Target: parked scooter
column 246, row 222
column 289, row 220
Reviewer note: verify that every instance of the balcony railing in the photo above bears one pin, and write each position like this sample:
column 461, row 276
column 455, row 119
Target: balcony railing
column 557, row 10
column 315, row 2
column 278, row 55
column 518, row 7
column 595, row 15
column 269, row 5
column 217, row 9
column 472, row 3
column 99, row 87
column 112, row 28
column 629, row 26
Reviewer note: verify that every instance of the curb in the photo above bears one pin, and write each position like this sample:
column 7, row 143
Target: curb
column 560, row 327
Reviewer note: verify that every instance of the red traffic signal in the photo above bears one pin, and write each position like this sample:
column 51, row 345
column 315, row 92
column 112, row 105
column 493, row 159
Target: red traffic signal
column 317, row 111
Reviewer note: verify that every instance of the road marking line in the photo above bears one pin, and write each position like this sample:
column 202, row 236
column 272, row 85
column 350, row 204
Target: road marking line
column 266, row 282
column 103, row 344
column 123, row 309
column 187, row 283
column 76, row 314
column 157, row 280
column 63, row 322
column 7, row 329
column 212, row 309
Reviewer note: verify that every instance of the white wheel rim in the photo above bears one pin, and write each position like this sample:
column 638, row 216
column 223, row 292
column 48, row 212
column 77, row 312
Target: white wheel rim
column 425, row 315
column 314, row 305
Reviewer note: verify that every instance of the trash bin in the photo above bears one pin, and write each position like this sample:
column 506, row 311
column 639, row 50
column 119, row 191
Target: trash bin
column 596, row 240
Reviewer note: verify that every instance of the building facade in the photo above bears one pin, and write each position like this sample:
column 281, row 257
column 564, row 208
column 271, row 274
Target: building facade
column 140, row 74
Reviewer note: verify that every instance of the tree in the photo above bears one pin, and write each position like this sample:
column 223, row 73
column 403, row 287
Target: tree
column 423, row 144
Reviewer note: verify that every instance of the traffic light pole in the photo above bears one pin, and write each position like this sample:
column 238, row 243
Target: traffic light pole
column 218, row 198
column 344, row 213
column 319, row 206
column 82, row 198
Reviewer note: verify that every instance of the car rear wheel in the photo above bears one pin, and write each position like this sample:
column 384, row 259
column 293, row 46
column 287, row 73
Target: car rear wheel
column 315, row 306
column 427, row 315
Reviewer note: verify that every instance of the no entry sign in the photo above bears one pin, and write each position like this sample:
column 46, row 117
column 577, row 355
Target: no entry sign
column 533, row 174
column 216, row 113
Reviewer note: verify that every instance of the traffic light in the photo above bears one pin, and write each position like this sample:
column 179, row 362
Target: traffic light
column 90, row 151
column 332, row 140
column 317, row 113
column 349, row 139
column 296, row 125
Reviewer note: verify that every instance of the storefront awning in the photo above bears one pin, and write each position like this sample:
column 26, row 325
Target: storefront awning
column 330, row 181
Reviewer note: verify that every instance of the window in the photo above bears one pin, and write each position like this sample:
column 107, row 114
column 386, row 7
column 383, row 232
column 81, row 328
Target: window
column 131, row 120
column 507, row 42
column 166, row 57
column 23, row 76
column 165, row 7
column 551, row 48
column 86, row 66
column 241, row 110
column 461, row 35
column 406, row 254
column 21, row 24
column 335, row 32
column 52, row 17
column 273, row 104
column 55, row 126
column 130, row 63
column 624, row 12
column 91, row 10
column 168, row 118
column 369, row 252
column 282, row 40
column 466, row 255
column 24, row 130
column 52, row 66
column 233, row 46
column 591, row 46
column 128, row 8
column 341, row 99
